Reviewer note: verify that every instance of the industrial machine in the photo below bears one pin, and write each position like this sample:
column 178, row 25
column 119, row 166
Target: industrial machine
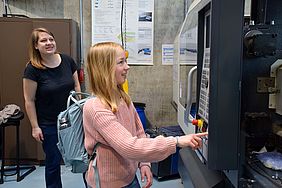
column 235, row 82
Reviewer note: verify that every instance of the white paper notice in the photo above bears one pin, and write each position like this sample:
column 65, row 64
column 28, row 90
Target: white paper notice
column 167, row 54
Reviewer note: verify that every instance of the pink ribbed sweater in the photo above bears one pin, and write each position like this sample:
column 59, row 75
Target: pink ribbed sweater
column 123, row 143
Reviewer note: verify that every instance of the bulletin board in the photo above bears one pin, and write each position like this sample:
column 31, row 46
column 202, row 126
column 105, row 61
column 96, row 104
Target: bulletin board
column 137, row 27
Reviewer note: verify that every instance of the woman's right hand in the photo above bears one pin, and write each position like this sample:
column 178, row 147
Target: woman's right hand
column 191, row 140
column 37, row 134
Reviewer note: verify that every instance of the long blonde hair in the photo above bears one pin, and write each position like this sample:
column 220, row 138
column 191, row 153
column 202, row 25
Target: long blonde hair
column 34, row 55
column 101, row 62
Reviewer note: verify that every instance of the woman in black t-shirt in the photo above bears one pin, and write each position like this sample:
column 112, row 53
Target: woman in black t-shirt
column 48, row 79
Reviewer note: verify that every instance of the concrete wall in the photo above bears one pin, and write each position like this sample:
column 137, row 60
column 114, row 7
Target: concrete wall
column 148, row 84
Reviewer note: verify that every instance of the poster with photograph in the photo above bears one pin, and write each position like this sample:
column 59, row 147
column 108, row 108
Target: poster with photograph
column 137, row 27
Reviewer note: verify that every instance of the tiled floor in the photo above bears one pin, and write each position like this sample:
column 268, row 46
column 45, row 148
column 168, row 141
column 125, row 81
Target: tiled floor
column 70, row 180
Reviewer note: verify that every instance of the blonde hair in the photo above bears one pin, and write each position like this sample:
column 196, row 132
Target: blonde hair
column 101, row 61
column 34, row 54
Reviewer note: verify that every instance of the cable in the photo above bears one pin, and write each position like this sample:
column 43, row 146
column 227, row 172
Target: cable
column 121, row 22
column 16, row 15
column 123, row 31
column 5, row 8
column 125, row 37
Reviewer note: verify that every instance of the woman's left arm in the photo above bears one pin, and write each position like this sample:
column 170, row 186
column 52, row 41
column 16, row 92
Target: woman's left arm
column 76, row 82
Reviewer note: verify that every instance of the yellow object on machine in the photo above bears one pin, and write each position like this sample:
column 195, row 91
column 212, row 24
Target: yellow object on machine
column 125, row 84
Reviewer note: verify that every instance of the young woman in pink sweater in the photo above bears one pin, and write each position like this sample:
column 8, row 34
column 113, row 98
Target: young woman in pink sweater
column 111, row 120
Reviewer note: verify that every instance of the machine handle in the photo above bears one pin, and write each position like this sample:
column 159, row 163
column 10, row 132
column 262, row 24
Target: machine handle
column 189, row 93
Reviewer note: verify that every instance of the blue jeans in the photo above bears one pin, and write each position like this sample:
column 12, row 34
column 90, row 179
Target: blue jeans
column 133, row 184
column 52, row 157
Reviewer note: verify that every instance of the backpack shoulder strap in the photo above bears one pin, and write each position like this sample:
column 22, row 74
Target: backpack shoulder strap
column 72, row 97
column 94, row 164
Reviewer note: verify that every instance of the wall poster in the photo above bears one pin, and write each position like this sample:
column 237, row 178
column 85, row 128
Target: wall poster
column 138, row 27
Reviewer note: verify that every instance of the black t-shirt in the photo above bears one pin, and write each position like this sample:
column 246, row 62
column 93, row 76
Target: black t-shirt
column 53, row 88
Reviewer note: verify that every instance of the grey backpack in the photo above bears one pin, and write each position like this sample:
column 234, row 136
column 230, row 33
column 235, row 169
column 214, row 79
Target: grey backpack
column 71, row 134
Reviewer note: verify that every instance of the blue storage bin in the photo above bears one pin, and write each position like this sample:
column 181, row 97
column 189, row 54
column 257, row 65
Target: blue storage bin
column 140, row 108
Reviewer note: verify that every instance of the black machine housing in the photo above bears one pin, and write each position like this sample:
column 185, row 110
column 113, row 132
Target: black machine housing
column 241, row 121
